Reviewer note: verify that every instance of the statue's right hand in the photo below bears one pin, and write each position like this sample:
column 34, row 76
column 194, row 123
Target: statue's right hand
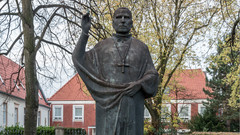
column 86, row 23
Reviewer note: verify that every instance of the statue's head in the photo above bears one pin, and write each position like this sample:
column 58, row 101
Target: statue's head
column 122, row 20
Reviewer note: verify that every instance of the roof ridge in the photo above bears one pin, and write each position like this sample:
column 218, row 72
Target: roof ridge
column 5, row 61
column 11, row 60
column 63, row 86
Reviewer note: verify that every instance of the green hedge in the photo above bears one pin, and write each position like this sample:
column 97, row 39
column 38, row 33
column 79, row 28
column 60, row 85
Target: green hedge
column 13, row 130
column 45, row 130
column 18, row 130
column 74, row 131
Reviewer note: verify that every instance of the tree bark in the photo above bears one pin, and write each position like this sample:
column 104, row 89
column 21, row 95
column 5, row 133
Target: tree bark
column 31, row 100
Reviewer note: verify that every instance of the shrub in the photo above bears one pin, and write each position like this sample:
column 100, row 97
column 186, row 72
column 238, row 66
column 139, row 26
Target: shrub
column 45, row 130
column 74, row 131
column 18, row 130
column 208, row 122
column 13, row 130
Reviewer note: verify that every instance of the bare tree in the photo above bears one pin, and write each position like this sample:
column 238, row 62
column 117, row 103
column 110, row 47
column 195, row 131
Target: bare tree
column 42, row 31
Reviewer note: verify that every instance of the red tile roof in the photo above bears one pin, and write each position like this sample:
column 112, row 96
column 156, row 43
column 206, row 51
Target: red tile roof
column 10, row 72
column 189, row 84
column 73, row 90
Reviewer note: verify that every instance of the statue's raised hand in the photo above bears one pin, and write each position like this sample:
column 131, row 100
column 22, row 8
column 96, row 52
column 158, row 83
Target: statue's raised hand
column 86, row 23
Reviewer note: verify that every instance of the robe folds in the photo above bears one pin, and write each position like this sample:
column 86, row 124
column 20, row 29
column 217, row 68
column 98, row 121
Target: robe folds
column 117, row 111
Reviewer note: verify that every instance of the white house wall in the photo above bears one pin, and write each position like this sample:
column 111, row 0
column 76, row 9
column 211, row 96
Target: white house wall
column 45, row 115
column 13, row 102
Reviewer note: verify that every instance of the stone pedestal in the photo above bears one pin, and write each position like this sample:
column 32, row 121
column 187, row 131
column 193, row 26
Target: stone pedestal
column 59, row 131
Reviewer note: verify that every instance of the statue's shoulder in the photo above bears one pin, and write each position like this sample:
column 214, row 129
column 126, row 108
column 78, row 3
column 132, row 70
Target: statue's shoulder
column 103, row 43
column 138, row 43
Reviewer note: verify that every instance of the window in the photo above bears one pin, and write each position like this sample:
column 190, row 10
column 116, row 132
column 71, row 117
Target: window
column 184, row 111
column 57, row 113
column 16, row 115
column 48, row 122
column 39, row 118
column 167, row 91
column 165, row 112
column 146, row 113
column 78, row 112
column 201, row 109
column 91, row 130
column 5, row 114
column 24, row 112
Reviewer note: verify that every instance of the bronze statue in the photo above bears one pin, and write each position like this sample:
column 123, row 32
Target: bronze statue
column 119, row 73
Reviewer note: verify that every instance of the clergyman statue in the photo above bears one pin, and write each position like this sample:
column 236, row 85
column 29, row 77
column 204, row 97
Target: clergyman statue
column 119, row 74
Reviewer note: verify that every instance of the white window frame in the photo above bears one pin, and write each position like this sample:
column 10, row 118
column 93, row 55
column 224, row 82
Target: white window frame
column 61, row 117
column 91, row 129
column 16, row 115
column 189, row 111
column 168, row 106
column 80, row 118
column 38, row 118
column 199, row 108
column 5, row 114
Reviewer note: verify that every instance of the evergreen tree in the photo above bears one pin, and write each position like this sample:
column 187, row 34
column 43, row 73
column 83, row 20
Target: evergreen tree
column 220, row 93
column 208, row 121
column 220, row 114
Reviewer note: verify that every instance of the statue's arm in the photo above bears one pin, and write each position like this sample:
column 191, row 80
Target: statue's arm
column 79, row 51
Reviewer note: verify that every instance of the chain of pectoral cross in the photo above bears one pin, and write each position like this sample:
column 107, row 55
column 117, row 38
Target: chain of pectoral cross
column 123, row 64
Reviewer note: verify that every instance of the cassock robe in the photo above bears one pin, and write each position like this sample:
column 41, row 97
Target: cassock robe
column 117, row 113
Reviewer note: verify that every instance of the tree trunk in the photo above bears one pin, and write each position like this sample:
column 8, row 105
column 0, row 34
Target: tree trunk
column 31, row 100
column 156, row 123
column 228, row 123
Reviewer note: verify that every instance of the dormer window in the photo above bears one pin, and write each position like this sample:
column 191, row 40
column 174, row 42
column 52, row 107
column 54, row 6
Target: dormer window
column 16, row 84
column 1, row 80
column 39, row 95
column 22, row 85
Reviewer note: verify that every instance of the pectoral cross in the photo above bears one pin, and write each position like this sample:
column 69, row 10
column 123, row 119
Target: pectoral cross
column 123, row 65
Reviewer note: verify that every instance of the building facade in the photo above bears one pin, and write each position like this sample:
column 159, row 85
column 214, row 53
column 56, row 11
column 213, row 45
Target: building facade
column 12, row 96
column 72, row 106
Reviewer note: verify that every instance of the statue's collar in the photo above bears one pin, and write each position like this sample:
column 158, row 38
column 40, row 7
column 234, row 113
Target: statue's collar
column 122, row 37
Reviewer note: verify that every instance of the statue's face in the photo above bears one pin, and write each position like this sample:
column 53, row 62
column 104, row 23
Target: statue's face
column 122, row 22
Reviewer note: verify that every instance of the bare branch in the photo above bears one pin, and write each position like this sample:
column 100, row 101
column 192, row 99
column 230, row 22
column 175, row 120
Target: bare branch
column 14, row 42
column 45, row 29
column 55, row 44
column 8, row 13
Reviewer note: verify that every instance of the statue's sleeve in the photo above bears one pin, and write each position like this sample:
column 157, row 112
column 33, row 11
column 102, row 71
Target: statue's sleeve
column 88, row 63
column 150, row 79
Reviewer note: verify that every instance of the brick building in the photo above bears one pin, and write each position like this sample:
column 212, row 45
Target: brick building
column 185, row 94
column 72, row 106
